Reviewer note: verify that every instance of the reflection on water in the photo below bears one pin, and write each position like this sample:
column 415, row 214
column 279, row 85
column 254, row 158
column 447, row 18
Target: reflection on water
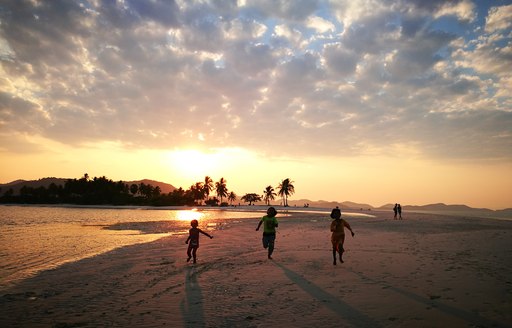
column 189, row 215
column 36, row 238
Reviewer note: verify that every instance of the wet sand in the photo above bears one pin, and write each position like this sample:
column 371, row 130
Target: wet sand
column 424, row 271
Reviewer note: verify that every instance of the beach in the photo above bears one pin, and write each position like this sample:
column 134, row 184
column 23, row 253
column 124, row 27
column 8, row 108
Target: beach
column 424, row 271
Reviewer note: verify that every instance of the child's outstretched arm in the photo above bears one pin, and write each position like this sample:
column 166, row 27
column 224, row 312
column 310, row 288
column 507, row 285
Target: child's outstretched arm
column 205, row 233
column 186, row 241
column 345, row 223
column 259, row 225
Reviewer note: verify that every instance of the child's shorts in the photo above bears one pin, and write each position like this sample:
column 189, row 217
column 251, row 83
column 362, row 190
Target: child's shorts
column 268, row 239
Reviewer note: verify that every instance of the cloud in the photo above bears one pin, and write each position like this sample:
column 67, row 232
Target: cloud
column 499, row 18
column 299, row 78
column 340, row 60
column 320, row 25
column 463, row 10
column 294, row 10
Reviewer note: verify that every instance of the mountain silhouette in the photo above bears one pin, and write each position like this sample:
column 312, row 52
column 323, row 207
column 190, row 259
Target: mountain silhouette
column 46, row 182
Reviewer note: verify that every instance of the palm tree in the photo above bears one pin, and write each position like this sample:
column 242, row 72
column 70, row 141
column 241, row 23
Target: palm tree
column 197, row 191
column 134, row 188
column 269, row 194
column 221, row 189
column 286, row 189
column 207, row 187
column 231, row 197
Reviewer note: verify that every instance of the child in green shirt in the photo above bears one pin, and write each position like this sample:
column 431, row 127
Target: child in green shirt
column 269, row 230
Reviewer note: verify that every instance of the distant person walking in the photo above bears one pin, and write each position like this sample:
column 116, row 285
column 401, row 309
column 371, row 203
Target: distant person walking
column 399, row 209
column 270, row 224
column 338, row 226
column 193, row 240
column 395, row 209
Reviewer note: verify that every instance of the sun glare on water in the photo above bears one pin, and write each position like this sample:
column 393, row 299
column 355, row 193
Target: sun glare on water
column 189, row 215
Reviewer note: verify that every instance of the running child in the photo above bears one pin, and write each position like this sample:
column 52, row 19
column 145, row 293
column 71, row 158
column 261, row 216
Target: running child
column 338, row 226
column 193, row 237
column 270, row 224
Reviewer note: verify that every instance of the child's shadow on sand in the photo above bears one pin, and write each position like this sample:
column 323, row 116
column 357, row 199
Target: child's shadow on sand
column 344, row 310
column 473, row 319
column 358, row 319
column 192, row 305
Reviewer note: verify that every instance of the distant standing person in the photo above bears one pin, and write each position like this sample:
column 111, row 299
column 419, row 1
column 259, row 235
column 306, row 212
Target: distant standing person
column 395, row 209
column 270, row 224
column 399, row 209
column 338, row 226
column 193, row 240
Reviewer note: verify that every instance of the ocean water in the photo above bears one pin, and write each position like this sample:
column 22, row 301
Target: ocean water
column 36, row 238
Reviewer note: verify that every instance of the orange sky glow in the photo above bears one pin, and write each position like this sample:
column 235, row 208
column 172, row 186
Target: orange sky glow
column 410, row 102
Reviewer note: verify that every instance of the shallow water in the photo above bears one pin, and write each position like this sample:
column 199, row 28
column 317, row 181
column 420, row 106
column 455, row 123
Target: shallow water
column 34, row 238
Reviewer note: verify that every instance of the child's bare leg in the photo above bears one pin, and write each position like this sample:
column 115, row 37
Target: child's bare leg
column 341, row 249
column 270, row 249
column 194, row 252
column 265, row 242
column 189, row 254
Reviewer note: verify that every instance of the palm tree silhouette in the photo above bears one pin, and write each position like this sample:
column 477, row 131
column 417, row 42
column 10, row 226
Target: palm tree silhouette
column 231, row 197
column 207, row 187
column 197, row 191
column 269, row 194
column 286, row 189
column 221, row 189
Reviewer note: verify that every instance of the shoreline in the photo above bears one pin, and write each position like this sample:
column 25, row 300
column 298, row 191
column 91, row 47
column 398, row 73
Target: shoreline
column 282, row 209
column 242, row 208
column 424, row 271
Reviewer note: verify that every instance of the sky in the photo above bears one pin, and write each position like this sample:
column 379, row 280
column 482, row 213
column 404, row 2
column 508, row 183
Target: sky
column 371, row 101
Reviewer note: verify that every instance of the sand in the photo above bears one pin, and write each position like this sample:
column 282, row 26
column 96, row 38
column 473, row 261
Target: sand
column 424, row 271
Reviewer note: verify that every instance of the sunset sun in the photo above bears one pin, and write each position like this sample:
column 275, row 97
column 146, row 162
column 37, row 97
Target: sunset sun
column 194, row 163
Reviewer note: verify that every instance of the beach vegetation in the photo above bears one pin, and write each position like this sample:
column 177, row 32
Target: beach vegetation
column 213, row 201
column 269, row 194
column 207, row 187
column 251, row 198
column 104, row 191
column 197, row 192
column 231, row 197
column 134, row 189
column 286, row 189
column 221, row 189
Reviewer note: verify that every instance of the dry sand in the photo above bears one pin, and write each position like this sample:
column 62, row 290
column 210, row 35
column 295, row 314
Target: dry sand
column 424, row 271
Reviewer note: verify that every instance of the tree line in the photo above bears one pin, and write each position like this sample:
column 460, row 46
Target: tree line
column 104, row 191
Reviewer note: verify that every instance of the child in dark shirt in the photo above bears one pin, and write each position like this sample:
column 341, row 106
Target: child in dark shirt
column 193, row 238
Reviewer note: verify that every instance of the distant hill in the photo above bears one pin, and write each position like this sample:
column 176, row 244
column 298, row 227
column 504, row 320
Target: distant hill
column 45, row 182
column 439, row 206
column 18, row 184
